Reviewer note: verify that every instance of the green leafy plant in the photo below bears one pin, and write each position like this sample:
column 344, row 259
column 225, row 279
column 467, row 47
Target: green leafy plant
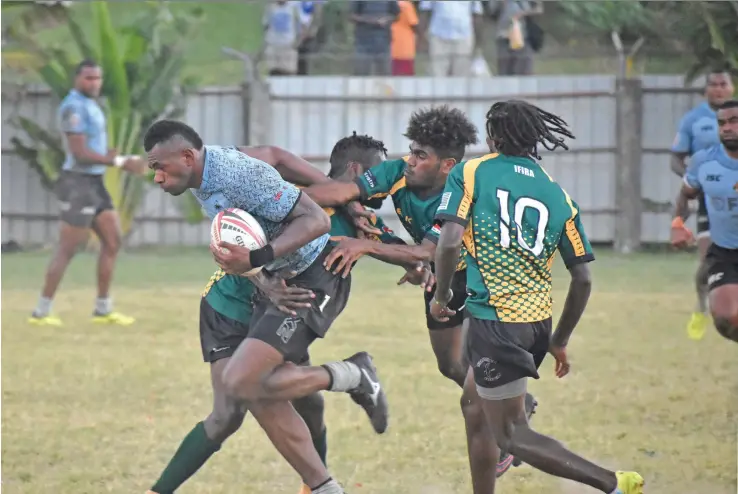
column 142, row 65
column 709, row 31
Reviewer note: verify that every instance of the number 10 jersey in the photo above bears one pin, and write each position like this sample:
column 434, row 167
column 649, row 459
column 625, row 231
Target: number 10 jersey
column 516, row 217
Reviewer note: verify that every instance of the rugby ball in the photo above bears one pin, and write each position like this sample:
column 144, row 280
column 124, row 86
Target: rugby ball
column 238, row 227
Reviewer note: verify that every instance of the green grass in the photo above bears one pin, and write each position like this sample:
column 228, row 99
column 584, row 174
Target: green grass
column 89, row 409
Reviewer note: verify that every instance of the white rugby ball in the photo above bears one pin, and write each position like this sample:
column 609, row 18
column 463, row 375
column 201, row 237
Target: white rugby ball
column 238, row 227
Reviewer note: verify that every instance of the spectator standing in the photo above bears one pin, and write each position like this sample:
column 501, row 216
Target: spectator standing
column 282, row 35
column 310, row 20
column 454, row 32
column 403, row 39
column 509, row 61
column 373, row 35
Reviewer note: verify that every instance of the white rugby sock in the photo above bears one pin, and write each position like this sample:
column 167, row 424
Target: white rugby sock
column 330, row 486
column 43, row 308
column 345, row 375
column 103, row 306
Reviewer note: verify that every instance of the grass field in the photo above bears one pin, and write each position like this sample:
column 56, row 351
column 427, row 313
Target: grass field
column 90, row 409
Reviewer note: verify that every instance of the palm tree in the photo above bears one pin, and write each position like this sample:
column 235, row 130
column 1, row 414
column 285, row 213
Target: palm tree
column 142, row 63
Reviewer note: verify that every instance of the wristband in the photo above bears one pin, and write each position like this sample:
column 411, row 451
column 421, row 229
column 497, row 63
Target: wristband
column 677, row 222
column 119, row 160
column 262, row 256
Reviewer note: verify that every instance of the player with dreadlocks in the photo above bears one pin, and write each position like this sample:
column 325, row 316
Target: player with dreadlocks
column 439, row 137
column 512, row 217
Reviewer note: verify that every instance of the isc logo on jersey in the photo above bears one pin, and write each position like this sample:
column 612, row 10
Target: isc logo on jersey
column 436, row 229
column 236, row 226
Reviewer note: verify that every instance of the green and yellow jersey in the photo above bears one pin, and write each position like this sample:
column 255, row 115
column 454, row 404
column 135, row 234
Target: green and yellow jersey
column 516, row 217
column 416, row 214
column 231, row 295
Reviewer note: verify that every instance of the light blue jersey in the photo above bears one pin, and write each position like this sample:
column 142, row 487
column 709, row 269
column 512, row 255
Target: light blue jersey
column 698, row 130
column 79, row 114
column 232, row 179
column 716, row 174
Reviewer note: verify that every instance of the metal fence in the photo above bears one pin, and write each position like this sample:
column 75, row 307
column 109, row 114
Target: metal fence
column 620, row 154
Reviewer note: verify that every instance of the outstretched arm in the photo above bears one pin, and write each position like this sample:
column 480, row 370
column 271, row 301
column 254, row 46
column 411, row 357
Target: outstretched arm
column 333, row 193
column 290, row 166
column 349, row 250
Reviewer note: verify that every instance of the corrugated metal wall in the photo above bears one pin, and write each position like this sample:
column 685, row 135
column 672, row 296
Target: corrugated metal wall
column 309, row 114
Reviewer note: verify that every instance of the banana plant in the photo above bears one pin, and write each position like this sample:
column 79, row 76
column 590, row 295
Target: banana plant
column 142, row 67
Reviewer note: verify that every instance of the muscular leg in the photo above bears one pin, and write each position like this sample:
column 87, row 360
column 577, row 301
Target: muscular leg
column 312, row 409
column 70, row 239
column 703, row 243
column 258, row 375
column 107, row 228
column 482, row 449
column 447, row 346
column 724, row 307
column 509, row 426
column 206, row 437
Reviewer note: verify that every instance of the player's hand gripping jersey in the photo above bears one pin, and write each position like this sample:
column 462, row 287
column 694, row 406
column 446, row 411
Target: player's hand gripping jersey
column 516, row 217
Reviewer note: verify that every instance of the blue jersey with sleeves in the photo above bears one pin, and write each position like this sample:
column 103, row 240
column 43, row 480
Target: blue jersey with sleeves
column 78, row 114
column 698, row 130
column 716, row 174
column 232, row 179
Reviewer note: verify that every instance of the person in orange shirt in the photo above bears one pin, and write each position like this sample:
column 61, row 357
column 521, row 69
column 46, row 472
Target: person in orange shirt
column 403, row 39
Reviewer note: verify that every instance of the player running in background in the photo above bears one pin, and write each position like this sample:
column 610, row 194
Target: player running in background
column 698, row 131
column 261, row 375
column 439, row 138
column 227, row 306
column 713, row 172
column 512, row 217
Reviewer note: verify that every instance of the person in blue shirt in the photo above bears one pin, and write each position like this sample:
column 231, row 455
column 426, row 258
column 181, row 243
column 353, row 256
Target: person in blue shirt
column 698, row 131
column 84, row 203
column 261, row 376
column 714, row 172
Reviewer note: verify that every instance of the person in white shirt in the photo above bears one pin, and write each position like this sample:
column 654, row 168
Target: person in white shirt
column 453, row 31
column 282, row 35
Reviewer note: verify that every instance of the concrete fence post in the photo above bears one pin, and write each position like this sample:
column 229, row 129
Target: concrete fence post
column 629, row 102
